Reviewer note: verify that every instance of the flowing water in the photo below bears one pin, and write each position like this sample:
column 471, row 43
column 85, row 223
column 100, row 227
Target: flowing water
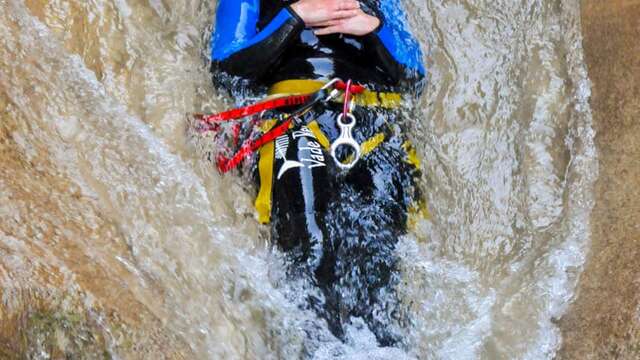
column 104, row 204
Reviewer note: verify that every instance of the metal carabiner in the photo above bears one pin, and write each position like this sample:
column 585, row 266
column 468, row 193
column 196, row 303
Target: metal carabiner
column 346, row 139
column 331, row 83
column 334, row 92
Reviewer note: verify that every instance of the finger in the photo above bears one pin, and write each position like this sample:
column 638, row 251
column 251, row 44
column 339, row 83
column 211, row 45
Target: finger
column 348, row 5
column 328, row 30
column 344, row 14
column 327, row 23
column 336, row 16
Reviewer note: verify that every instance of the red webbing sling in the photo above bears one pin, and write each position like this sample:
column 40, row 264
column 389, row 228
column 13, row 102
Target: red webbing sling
column 226, row 164
column 245, row 111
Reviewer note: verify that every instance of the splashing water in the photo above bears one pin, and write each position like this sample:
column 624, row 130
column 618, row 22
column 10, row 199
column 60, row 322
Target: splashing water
column 103, row 201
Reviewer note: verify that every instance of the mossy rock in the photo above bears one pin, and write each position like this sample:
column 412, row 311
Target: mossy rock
column 53, row 334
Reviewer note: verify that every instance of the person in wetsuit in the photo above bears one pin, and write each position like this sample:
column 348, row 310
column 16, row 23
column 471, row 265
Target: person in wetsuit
column 340, row 228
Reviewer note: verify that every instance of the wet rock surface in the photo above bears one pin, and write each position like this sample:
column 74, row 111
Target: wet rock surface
column 115, row 237
column 604, row 321
column 65, row 291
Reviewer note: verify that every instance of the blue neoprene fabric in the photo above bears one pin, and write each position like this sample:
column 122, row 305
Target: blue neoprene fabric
column 236, row 27
column 396, row 37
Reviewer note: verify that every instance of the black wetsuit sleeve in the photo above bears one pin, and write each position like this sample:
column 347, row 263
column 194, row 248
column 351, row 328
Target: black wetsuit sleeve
column 239, row 49
column 395, row 48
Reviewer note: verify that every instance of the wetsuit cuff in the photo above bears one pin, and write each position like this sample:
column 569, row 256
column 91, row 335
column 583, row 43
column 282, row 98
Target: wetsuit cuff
column 294, row 15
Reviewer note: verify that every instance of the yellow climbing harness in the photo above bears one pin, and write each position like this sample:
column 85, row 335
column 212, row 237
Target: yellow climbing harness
column 387, row 100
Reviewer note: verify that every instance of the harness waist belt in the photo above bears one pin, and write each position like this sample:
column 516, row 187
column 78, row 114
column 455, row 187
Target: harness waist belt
column 387, row 100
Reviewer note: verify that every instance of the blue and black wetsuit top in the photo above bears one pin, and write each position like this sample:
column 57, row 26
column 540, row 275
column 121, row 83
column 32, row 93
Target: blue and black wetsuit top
column 264, row 41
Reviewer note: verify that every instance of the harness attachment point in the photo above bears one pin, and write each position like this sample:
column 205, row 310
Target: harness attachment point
column 346, row 136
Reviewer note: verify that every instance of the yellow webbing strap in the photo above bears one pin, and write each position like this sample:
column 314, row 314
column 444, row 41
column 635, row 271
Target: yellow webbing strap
column 371, row 144
column 412, row 155
column 267, row 125
column 265, row 168
column 417, row 211
column 387, row 100
column 368, row 146
column 322, row 138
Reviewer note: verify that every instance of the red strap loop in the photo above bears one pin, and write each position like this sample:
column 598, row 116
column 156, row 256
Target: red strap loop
column 347, row 99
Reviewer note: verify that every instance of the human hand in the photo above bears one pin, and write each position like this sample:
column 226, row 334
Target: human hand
column 359, row 24
column 315, row 12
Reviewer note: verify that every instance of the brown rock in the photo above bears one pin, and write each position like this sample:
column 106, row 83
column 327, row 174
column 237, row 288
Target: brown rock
column 604, row 321
column 63, row 291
